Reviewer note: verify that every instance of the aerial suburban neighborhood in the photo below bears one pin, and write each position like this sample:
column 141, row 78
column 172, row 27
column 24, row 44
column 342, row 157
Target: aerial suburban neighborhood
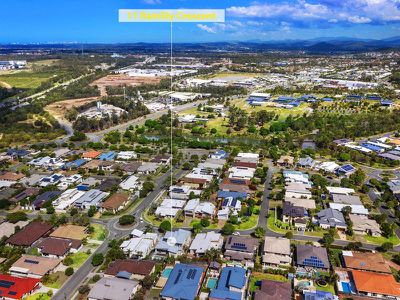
column 255, row 156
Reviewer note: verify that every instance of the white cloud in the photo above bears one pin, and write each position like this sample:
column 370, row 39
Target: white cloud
column 206, row 28
column 152, row 2
column 359, row 20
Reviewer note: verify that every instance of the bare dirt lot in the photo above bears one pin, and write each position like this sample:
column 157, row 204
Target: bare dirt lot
column 59, row 108
column 121, row 79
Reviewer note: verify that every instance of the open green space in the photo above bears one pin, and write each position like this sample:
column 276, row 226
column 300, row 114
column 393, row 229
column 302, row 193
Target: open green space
column 381, row 239
column 99, row 233
column 38, row 296
column 56, row 280
column 78, row 259
column 26, row 79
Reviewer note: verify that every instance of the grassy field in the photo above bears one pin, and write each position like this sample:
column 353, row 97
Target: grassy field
column 249, row 224
column 328, row 288
column 25, row 79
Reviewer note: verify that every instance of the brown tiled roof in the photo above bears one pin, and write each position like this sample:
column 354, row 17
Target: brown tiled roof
column 115, row 201
column 139, row 267
column 274, row 290
column 69, row 231
column 194, row 180
column 245, row 164
column 57, row 246
column 30, row 234
column 37, row 264
column 93, row 164
column 367, row 261
column 131, row 166
column 235, row 188
column 11, row 176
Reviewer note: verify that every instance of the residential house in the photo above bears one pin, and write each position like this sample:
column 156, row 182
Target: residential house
column 184, row 282
column 115, row 203
column 88, row 183
column 195, row 208
column 276, row 252
column 51, row 180
column 163, row 159
column 294, row 214
column 113, row 289
column 346, row 199
column 331, row 218
column 302, row 202
column 219, row 154
column 169, row 207
column 34, row 266
column 375, row 285
column 57, row 247
column 273, row 290
column 311, row 256
column 126, row 155
column 68, row 181
column 109, row 184
column 306, row 162
column 235, row 195
column 44, row 198
column 355, row 209
column 140, row 246
column 345, row 170
column 148, row 168
column 363, row 225
column 285, row 160
column 16, row 287
column 130, row 168
column 66, row 199
column 231, row 284
column 72, row 165
column 340, row 190
column 7, row 229
column 366, row 261
column 137, row 269
column 11, row 176
column 206, row 241
column 91, row 154
column 69, row 231
column 181, row 192
column 298, row 190
column 172, row 243
column 241, row 249
column 30, row 234
column 91, row 198
column 241, row 173
column 28, row 192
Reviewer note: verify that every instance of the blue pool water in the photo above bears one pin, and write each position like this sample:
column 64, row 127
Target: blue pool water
column 346, row 287
column 212, row 283
column 166, row 272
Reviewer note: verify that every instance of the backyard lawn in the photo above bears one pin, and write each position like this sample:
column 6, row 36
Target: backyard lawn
column 99, row 233
column 381, row 239
column 56, row 280
column 78, row 259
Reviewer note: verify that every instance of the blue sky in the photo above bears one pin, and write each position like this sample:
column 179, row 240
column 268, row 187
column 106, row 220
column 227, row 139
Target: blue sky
column 96, row 21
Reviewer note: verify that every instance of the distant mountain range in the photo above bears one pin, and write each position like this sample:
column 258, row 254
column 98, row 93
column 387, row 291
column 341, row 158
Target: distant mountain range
column 317, row 45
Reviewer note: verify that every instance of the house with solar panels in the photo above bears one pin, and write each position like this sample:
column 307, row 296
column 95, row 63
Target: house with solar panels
column 172, row 243
column 311, row 256
column 184, row 282
column 231, row 284
column 17, row 288
column 345, row 170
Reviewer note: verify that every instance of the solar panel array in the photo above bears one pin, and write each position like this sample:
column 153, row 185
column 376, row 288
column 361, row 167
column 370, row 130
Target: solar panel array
column 178, row 277
column 6, row 284
column 240, row 246
column 191, row 274
column 30, row 261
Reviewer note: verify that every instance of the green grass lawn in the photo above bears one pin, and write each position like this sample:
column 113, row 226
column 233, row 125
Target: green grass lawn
column 38, row 296
column 256, row 276
column 99, row 233
column 78, row 259
column 328, row 288
column 212, row 226
column 271, row 225
column 25, row 80
column 249, row 224
column 56, row 280
column 381, row 239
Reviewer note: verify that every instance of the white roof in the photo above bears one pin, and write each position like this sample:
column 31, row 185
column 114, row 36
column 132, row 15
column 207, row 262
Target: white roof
column 340, row 190
column 355, row 209
column 129, row 183
column 67, row 198
column 166, row 211
column 192, row 204
column 329, row 166
column 206, row 241
column 248, row 155
column 173, row 203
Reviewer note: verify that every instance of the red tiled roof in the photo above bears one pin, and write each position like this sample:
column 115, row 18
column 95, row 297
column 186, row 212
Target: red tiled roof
column 19, row 288
column 367, row 261
column 91, row 154
column 377, row 283
column 57, row 246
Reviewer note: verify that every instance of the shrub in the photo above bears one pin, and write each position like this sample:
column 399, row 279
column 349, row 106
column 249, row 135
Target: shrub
column 126, row 220
column 69, row 271
column 97, row 259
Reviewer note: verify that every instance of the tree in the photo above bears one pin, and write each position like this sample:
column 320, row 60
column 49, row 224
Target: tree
column 147, row 282
column 69, row 271
column 289, row 235
column 17, row 216
column 386, row 246
column 92, row 210
column 259, row 232
column 197, row 228
column 68, row 261
column 97, row 259
column 50, row 210
column 228, row 229
column 205, row 222
column 387, row 229
column 165, row 226
column 126, row 220
column 328, row 239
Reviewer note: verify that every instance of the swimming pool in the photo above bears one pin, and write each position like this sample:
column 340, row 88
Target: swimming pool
column 166, row 272
column 346, row 287
column 212, row 283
